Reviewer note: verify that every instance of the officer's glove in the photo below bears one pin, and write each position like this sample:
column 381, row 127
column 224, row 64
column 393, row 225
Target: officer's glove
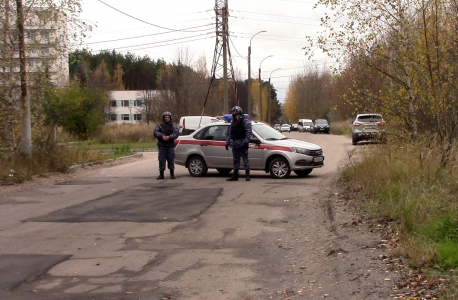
column 227, row 146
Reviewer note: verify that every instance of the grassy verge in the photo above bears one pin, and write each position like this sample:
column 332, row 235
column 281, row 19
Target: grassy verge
column 97, row 145
column 405, row 183
column 17, row 169
column 65, row 151
column 340, row 127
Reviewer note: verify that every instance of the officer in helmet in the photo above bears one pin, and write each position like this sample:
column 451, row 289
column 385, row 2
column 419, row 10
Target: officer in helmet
column 239, row 139
column 166, row 134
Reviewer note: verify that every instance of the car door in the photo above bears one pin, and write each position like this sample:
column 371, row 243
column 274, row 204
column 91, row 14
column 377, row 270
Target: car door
column 255, row 154
column 212, row 143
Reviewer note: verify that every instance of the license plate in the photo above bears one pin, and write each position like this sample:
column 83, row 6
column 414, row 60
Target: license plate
column 318, row 159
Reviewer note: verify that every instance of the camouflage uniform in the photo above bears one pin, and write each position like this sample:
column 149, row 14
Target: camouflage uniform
column 240, row 145
column 166, row 148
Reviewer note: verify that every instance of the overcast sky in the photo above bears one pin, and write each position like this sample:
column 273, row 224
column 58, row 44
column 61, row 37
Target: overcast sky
column 123, row 27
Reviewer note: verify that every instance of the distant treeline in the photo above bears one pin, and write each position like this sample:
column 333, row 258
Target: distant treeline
column 139, row 73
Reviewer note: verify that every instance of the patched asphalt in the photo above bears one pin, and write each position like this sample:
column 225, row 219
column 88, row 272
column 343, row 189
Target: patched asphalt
column 154, row 203
column 16, row 269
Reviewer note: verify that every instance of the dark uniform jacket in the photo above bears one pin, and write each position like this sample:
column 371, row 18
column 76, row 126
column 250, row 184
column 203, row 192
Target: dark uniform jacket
column 239, row 133
column 166, row 129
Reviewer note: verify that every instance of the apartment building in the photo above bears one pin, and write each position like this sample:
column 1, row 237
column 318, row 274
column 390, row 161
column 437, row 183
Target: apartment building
column 46, row 45
column 131, row 106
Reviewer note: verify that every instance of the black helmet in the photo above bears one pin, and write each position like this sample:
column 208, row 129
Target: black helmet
column 167, row 113
column 237, row 110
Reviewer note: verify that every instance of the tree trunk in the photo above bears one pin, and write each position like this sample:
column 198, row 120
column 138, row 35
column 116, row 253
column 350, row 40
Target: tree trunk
column 26, row 128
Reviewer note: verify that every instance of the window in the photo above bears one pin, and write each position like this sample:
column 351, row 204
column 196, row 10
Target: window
column 113, row 103
column 125, row 103
column 44, row 35
column 113, row 117
column 216, row 133
column 125, row 117
column 138, row 102
column 138, row 117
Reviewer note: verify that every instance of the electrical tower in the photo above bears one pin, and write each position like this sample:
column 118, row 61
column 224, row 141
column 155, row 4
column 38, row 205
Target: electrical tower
column 222, row 60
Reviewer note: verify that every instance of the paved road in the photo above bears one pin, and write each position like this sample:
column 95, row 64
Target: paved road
column 118, row 233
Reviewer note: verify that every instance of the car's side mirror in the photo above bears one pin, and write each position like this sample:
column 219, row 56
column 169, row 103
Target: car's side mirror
column 255, row 141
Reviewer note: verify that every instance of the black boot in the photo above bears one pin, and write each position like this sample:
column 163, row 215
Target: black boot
column 172, row 174
column 161, row 175
column 234, row 177
column 247, row 173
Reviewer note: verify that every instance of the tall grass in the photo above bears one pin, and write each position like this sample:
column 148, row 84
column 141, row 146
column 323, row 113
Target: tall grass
column 125, row 133
column 341, row 127
column 17, row 169
column 57, row 154
column 406, row 183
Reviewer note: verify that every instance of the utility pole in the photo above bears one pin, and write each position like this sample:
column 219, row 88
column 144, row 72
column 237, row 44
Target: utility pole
column 260, row 94
column 222, row 52
column 270, row 98
column 26, row 128
column 249, row 73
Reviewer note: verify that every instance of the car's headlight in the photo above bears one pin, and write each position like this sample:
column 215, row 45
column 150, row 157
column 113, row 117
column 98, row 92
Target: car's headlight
column 300, row 150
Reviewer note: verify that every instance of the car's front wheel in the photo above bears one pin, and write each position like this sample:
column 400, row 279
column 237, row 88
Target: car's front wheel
column 303, row 173
column 279, row 168
column 197, row 166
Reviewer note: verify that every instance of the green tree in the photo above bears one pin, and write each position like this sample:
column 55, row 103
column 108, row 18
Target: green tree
column 80, row 110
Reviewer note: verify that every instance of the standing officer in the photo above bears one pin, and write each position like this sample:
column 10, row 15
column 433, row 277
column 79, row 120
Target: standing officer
column 166, row 134
column 239, row 139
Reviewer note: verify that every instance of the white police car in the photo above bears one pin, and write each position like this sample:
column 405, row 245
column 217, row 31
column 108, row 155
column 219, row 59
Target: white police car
column 269, row 151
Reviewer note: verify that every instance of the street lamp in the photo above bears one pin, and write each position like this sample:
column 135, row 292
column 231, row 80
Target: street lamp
column 249, row 73
column 270, row 99
column 260, row 95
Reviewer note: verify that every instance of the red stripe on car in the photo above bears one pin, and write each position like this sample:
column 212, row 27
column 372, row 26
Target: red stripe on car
column 202, row 142
column 271, row 147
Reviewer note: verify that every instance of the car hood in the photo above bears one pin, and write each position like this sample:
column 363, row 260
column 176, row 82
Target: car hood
column 294, row 143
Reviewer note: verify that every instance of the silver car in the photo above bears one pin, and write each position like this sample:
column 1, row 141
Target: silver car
column 367, row 127
column 269, row 151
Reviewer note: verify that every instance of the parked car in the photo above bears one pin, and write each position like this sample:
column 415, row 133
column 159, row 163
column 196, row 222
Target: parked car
column 285, row 127
column 189, row 124
column 307, row 125
column 367, row 127
column 321, row 125
column 277, row 127
column 269, row 151
column 294, row 127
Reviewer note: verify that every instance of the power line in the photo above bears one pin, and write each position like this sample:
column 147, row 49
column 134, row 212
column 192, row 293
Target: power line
column 283, row 22
column 177, row 39
column 166, row 44
column 136, row 37
column 236, row 49
column 140, row 19
column 289, row 17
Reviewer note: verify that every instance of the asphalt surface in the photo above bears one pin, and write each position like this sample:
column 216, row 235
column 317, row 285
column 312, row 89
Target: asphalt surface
column 115, row 232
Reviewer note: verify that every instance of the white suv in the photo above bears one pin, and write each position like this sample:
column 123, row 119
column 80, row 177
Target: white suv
column 269, row 151
column 367, row 127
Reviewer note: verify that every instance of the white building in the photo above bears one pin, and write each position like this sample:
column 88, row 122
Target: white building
column 46, row 45
column 131, row 106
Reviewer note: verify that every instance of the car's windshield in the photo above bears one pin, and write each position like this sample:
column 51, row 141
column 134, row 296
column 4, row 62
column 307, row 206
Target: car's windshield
column 268, row 133
column 321, row 122
column 370, row 118
column 308, row 123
